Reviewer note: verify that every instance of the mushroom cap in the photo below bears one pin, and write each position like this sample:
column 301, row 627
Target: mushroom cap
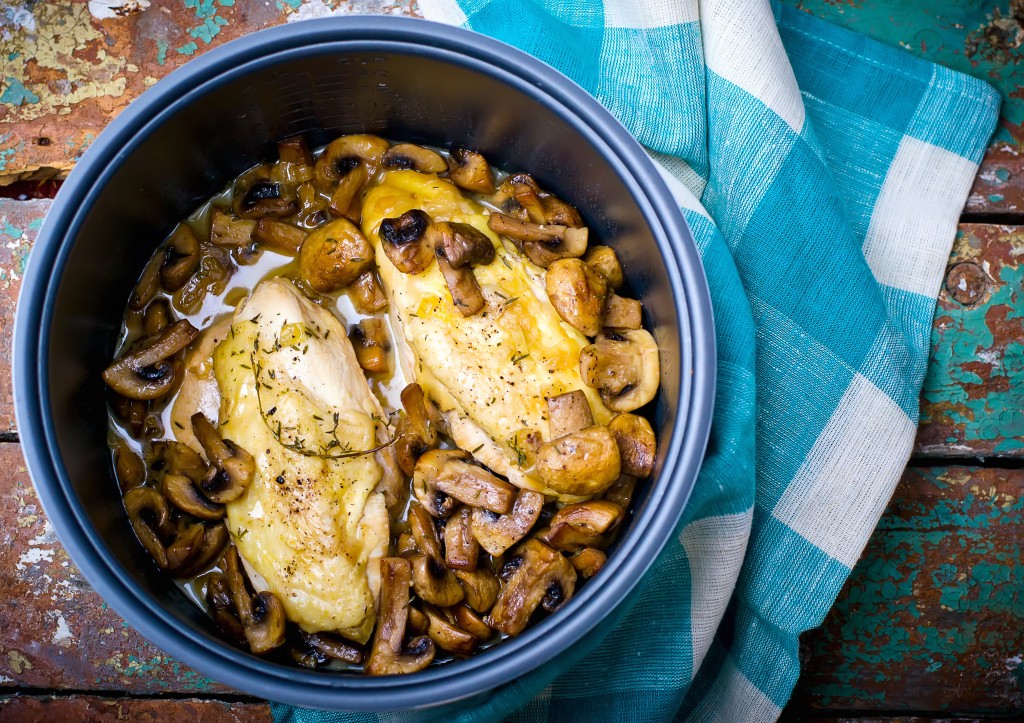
column 424, row 481
column 583, row 463
column 637, row 443
column 405, row 243
column 578, row 294
column 334, row 255
column 470, row 171
column 144, row 373
column 267, row 629
column 624, row 366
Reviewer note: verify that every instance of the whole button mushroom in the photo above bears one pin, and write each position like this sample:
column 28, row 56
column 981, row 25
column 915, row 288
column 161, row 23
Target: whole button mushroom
column 334, row 255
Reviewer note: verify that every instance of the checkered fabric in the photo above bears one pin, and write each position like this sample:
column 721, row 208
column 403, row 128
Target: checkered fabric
column 822, row 175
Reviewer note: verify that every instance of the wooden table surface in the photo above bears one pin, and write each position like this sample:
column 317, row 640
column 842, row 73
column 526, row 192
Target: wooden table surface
column 931, row 623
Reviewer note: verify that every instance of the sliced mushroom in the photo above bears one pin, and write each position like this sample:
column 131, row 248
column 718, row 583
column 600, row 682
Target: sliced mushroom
column 145, row 372
column 344, row 154
column 404, row 239
column 132, row 412
column 637, row 445
column 334, row 255
column 421, row 525
column 238, row 585
column 149, row 284
column 346, row 192
column 621, row 492
column 622, row 313
column 177, row 458
column 446, row 635
column 463, row 286
column 280, row 236
column 185, row 544
column 266, row 631
column 461, row 244
column 219, row 602
column 317, row 649
column 257, row 196
column 366, row 294
column 543, row 577
column 475, row 486
column 418, row 622
column 606, row 263
column 215, row 539
column 588, row 561
column 582, row 524
column 230, row 231
column 390, row 655
column 405, row 546
column 497, row 533
column 435, row 583
column 582, row 463
column 181, row 492
column 157, row 317
column 409, row 446
column 624, row 367
column 422, row 413
column 372, row 346
column 181, row 258
column 468, row 620
column 470, row 171
column 424, row 481
column 542, row 243
column 231, row 467
column 128, row 466
column 569, row 412
column 461, row 550
column 578, row 294
column 480, row 586
column 150, row 518
column 418, row 158
column 294, row 152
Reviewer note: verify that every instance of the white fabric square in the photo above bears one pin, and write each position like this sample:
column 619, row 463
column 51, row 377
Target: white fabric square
column 443, row 11
column 715, row 547
column 742, row 45
column 733, row 698
column 915, row 217
column 841, row 489
column 643, row 14
column 681, row 180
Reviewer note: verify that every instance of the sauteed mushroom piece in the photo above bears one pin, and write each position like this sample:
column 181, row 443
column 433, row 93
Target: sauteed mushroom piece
column 472, row 623
column 480, row 586
column 238, row 585
column 624, row 367
column 637, row 444
column 542, row 243
column 344, row 154
column 582, row 463
column 435, row 583
column 230, row 231
column 181, row 258
column 418, row 158
column 128, row 466
column 366, row 294
column 404, row 239
column 418, row 622
column 582, row 524
column 622, row 313
column 151, row 519
column 424, row 481
column 181, row 492
column 606, row 263
column 148, row 284
column 462, row 285
column 266, row 631
column 256, row 196
column 422, row 413
column 588, row 561
column 421, row 524
column 231, row 467
column 218, row 599
column 409, row 446
column 469, row 170
column 475, row 486
column 294, row 152
column 461, row 244
column 578, row 294
column 146, row 373
column 372, row 346
column 318, row 648
column 334, row 255
column 215, row 539
column 346, row 192
column 543, row 577
column 157, row 317
column 132, row 412
column 568, row 413
column 461, row 550
column 177, row 458
column 186, row 544
column 447, row 636
column 497, row 533
column 621, row 492
column 280, row 236
column 390, row 655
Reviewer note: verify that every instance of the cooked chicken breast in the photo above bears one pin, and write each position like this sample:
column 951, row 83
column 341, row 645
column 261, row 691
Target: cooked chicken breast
column 314, row 517
column 490, row 372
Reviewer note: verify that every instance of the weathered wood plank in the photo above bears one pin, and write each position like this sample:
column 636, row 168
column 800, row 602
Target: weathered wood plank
column 94, row 709
column 55, row 631
column 932, row 617
column 972, row 403
column 66, row 73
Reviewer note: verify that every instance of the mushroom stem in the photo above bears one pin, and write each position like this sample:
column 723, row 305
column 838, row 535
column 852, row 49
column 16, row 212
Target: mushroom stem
column 390, row 655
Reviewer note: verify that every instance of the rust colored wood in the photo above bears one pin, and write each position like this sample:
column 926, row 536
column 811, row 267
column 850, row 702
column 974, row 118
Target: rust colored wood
column 55, row 631
column 94, row 709
column 972, row 403
column 932, row 617
column 67, row 71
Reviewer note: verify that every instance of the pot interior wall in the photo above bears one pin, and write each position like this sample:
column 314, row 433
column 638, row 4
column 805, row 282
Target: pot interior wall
column 216, row 132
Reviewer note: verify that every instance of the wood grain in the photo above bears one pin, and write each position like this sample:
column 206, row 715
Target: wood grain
column 95, row 709
column 932, row 617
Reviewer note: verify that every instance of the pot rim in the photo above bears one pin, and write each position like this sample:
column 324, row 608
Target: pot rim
column 636, row 552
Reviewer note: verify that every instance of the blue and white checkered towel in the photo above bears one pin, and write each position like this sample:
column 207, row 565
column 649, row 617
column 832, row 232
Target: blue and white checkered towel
column 822, row 175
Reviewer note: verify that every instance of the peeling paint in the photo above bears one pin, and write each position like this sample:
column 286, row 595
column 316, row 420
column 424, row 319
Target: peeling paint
column 107, row 9
column 18, row 662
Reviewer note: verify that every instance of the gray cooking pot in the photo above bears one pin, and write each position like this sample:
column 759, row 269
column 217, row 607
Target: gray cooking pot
column 186, row 137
